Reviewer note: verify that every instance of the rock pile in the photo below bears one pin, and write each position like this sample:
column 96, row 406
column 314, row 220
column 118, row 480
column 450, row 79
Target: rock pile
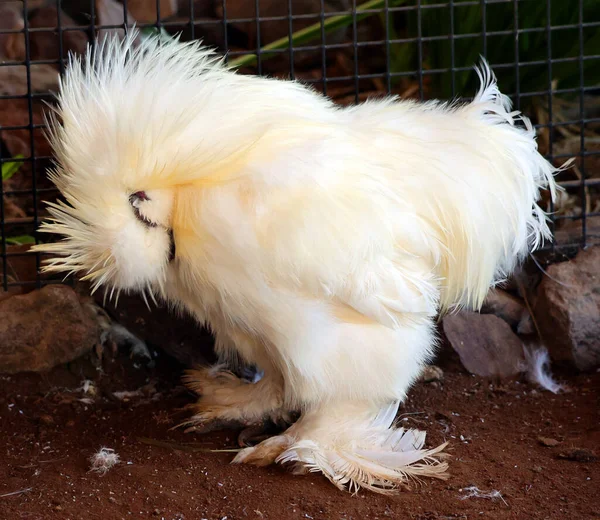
column 566, row 307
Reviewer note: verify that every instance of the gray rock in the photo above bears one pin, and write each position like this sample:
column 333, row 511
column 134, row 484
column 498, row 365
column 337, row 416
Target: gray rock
column 569, row 236
column 43, row 329
column 485, row 344
column 568, row 310
column 504, row 305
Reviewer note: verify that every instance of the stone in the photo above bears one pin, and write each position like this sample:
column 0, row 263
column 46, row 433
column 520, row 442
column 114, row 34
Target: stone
column 15, row 112
column 20, row 268
column 45, row 45
column 568, row 310
column 43, row 329
column 578, row 455
column 486, row 344
column 569, row 236
column 504, row 305
column 46, row 420
column 145, row 11
column 548, row 442
column 12, row 44
column 110, row 12
column 432, row 373
column 14, row 81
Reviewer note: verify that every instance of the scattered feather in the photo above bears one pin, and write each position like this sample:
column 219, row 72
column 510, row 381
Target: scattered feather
column 475, row 492
column 19, row 492
column 538, row 369
column 128, row 394
column 89, row 388
column 104, row 460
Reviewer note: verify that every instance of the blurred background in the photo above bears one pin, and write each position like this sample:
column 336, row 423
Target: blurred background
column 546, row 54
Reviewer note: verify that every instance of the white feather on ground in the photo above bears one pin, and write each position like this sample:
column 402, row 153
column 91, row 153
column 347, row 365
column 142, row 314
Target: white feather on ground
column 475, row 492
column 89, row 388
column 538, row 369
column 103, row 460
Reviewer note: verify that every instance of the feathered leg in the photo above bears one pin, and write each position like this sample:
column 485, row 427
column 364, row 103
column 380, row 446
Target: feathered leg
column 354, row 445
column 226, row 399
column 349, row 389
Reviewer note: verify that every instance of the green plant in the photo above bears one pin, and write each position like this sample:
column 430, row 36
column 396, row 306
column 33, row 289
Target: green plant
column 151, row 31
column 467, row 20
column 313, row 32
column 20, row 240
column 11, row 167
column 504, row 48
column 466, row 27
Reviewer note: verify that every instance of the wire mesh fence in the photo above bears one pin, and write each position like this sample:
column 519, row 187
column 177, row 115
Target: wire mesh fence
column 546, row 54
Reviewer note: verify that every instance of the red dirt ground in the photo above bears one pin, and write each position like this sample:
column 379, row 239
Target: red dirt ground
column 47, row 437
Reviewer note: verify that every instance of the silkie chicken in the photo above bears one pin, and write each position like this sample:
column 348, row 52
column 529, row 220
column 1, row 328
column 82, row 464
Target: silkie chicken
column 318, row 242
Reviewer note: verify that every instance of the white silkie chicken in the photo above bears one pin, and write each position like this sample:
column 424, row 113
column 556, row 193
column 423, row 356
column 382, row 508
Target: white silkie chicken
column 317, row 242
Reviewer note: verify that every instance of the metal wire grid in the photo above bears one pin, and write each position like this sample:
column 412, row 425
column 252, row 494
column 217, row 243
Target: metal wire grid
column 354, row 44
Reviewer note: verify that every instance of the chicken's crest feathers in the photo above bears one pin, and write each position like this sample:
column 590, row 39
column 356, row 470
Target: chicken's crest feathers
column 128, row 98
column 168, row 113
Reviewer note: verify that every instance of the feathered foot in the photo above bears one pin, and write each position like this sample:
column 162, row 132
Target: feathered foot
column 227, row 400
column 353, row 448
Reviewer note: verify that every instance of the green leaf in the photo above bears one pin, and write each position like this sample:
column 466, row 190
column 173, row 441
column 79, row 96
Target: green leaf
column 152, row 31
column 11, row 167
column 533, row 47
column 20, row 240
column 313, row 32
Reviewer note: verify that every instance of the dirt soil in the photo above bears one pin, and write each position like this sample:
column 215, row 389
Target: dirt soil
column 47, row 435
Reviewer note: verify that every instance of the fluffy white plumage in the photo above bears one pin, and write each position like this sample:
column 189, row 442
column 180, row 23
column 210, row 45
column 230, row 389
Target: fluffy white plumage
column 318, row 242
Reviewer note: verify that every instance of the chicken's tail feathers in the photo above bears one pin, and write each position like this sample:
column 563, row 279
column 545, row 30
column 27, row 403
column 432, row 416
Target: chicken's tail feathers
column 489, row 92
column 497, row 108
column 492, row 235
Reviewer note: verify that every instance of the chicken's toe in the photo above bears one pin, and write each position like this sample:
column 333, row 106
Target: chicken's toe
column 266, row 452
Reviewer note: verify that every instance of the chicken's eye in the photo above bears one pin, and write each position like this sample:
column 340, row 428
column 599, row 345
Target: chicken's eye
column 136, row 199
